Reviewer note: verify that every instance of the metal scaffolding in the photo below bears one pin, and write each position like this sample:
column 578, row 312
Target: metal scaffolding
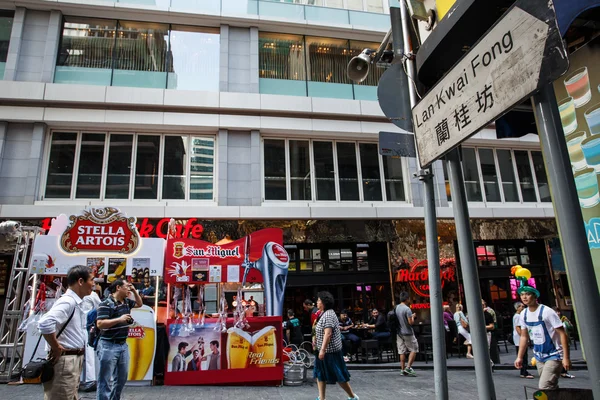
column 12, row 341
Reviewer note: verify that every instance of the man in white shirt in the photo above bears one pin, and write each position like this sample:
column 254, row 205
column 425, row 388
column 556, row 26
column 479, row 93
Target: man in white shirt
column 67, row 350
column 550, row 342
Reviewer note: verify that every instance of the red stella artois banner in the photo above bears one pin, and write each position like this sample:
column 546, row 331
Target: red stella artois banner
column 417, row 276
column 197, row 261
column 100, row 230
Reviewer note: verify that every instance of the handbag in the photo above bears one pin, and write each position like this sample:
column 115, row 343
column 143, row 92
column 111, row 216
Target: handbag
column 41, row 370
column 464, row 324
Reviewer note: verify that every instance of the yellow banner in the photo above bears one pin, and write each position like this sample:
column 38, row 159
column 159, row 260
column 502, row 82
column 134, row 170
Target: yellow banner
column 443, row 6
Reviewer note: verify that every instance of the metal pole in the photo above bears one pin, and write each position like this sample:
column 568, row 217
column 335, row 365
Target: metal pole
column 571, row 227
column 468, row 265
column 402, row 46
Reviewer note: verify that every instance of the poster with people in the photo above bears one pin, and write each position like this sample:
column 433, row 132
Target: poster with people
column 578, row 97
column 194, row 348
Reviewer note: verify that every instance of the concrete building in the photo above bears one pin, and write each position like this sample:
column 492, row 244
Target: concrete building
column 239, row 113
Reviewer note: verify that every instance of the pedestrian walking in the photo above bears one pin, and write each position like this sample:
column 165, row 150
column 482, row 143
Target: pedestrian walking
column 330, row 367
column 113, row 320
column 462, row 324
column 517, row 338
column 88, row 379
column 67, row 348
column 542, row 325
column 568, row 329
column 406, row 340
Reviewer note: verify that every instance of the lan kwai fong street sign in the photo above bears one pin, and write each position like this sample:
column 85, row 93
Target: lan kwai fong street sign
column 522, row 52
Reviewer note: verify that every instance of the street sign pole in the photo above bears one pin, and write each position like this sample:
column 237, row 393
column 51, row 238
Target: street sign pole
column 571, row 227
column 468, row 266
column 402, row 46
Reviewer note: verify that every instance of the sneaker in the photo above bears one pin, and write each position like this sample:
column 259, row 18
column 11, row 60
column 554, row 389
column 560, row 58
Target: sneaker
column 354, row 398
column 409, row 372
column 470, row 356
column 346, row 359
column 403, row 372
column 567, row 375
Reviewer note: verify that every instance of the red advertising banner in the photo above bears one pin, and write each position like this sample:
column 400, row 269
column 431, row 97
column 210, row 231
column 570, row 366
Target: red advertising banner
column 195, row 261
column 204, row 355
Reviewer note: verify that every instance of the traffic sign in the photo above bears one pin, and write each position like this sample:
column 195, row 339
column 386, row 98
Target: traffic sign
column 522, row 52
column 397, row 144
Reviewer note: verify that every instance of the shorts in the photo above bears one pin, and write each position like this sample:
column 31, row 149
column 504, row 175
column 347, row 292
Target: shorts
column 407, row 344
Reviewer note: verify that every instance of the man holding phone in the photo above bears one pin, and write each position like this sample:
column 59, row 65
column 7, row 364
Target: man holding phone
column 114, row 319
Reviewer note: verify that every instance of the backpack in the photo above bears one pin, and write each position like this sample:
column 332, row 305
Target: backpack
column 393, row 322
column 92, row 329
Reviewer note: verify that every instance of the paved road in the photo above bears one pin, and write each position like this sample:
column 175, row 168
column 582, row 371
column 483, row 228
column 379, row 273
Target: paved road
column 369, row 385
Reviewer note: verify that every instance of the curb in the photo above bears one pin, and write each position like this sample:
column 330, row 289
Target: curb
column 396, row 366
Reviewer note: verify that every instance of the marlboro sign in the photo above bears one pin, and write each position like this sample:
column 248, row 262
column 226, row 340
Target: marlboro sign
column 101, row 230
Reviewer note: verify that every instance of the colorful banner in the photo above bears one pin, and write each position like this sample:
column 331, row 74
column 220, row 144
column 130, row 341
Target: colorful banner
column 207, row 355
column 578, row 97
column 196, row 261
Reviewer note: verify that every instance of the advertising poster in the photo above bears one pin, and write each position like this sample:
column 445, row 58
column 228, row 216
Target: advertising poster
column 142, row 344
column 205, row 355
column 578, row 97
column 116, row 269
column 97, row 264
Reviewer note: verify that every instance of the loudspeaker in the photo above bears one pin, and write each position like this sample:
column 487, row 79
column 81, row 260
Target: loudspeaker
column 358, row 67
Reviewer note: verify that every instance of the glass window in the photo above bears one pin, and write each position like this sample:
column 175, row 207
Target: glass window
column 324, row 170
column 394, row 180
column 194, row 59
column 540, row 176
column 175, row 167
column 60, row 165
column 490, row 177
column 300, row 170
column 6, row 21
column 507, row 175
column 202, row 171
column 119, row 166
column 281, row 56
column 146, row 167
column 348, row 171
column 141, row 55
column 355, row 4
column 369, row 166
column 328, row 60
column 91, row 158
column 525, row 176
column 274, row 164
column 86, row 51
column 471, row 175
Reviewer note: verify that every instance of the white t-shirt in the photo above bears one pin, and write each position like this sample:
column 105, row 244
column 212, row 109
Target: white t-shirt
column 551, row 320
column 516, row 322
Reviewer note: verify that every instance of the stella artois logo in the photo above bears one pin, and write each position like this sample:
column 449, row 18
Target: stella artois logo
column 100, row 229
column 417, row 276
column 136, row 332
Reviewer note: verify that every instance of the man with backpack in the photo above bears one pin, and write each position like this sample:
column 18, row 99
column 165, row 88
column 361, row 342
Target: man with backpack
column 406, row 340
column 113, row 320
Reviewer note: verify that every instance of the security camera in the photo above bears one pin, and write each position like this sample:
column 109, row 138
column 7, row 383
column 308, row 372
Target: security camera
column 358, row 67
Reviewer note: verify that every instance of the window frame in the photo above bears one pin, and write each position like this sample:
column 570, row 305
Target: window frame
column 189, row 137
column 337, row 200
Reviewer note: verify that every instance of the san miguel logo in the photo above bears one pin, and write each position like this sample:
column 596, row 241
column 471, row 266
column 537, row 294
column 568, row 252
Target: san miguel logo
column 100, row 229
column 180, row 250
column 417, row 276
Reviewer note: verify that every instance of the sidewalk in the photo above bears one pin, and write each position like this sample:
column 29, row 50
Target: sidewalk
column 462, row 363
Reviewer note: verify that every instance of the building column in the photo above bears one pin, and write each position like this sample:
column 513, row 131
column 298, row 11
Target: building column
column 222, row 167
column 51, row 49
column 255, row 178
column 224, row 59
column 34, row 172
column 254, row 87
column 14, row 48
column 3, row 128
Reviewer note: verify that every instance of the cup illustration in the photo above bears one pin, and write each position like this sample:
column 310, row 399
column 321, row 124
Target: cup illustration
column 577, row 84
column 591, row 151
column 586, row 182
column 567, row 115
column 238, row 348
column 141, row 343
column 575, row 152
column 592, row 118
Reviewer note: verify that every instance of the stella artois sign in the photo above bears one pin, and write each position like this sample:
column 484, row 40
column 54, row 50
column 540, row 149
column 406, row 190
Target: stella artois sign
column 417, row 276
column 100, row 230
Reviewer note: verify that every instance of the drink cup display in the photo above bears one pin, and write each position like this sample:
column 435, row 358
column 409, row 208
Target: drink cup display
column 238, row 348
column 265, row 344
column 591, row 151
column 592, row 117
column 578, row 86
column 586, row 182
column 575, row 152
column 568, row 118
column 142, row 344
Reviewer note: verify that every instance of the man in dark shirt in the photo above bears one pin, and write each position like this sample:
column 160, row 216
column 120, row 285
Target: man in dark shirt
column 489, row 328
column 377, row 322
column 113, row 320
column 194, row 364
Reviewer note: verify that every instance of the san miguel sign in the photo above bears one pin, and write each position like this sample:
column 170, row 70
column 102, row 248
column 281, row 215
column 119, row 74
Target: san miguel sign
column 101, row 230
column 417, row 276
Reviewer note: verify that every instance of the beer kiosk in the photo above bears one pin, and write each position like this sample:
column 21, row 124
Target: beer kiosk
column 107, row 241
column 233, row 346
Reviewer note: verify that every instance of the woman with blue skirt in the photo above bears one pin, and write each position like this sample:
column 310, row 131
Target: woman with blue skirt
column 330, row 366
